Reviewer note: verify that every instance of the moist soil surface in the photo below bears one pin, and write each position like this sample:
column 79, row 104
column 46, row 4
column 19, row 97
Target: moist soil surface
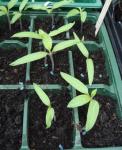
column 118, row 12
column 61, row 130
column 46, row 25
column 11, row 118
column 87, row 30
column 42, row 75
column 108, row 128
column 5, row 33
column 100, row 75
column 9, row 74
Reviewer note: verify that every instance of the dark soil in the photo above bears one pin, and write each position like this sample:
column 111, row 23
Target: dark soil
column 61, row 130
column 108, row 128
column 46, row 25
column 6, row 34
column 11, row 119
column 41, row 74
column 118, row 12
column 100, row 76
column 88, row 31
column 9, row 74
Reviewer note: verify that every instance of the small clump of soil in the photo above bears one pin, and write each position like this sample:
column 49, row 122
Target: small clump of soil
column 108, row 128
column 11, row 119
column 6, row 34
column 60, row 132
column 10, row 74
column 45, row 23
column 100, row 75
column 88, row 31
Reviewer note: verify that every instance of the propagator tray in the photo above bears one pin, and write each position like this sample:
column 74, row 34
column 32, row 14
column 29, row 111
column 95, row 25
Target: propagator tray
column 113, row 89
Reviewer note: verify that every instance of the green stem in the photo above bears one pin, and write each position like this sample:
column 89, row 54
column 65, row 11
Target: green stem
column 9, row 22
column 53, row 23
column 20, row 20
column 81, row 27
column 52, row 62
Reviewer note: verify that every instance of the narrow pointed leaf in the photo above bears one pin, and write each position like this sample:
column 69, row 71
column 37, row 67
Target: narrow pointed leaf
column 16, row 16
column 79, row 101
column 90, row 70
column 64, row 28
column 93, row 111
column 29, row 58
column 2, row 13
column 77, row 84
column 63, row 45
column 36, row 7
column 93, row 93
column 83, row 16
column 61, row 3
column 11, row 4
column 49, row 117
column 72, row 13
column 42, row 95
column 3, row 9
column 81, row 46
column 27, row 35
column 22, row 5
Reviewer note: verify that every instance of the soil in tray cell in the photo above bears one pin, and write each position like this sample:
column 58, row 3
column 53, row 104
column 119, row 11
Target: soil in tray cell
column 45, row 23
column 10, row 74
column 42, row 75
column 11, row 118
column 100, row 76
column 87, row 30
column 61, row 131
column 108, row 128
column 6, row 34
column 118, row 12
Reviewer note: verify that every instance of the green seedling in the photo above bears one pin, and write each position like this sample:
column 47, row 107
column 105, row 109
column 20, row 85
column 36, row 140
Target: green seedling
column 83, row 99
column 49, row 49
column 78, row 11
column 49, row 7
column 5, row 10
column 89, row 61
column 50, row 114
column 18, row 14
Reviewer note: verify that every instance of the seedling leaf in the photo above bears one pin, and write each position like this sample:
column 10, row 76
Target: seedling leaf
column 72, row 13
column 83, row 16
column 22, row 5
column 79, row 101
column 3, row 9
column 11, row 4
column 16, row 16
column 61, row 3
column 90, row 70
column 42, row 95
column 49, row 117
column 2, row 13
column 93, row 93
column 78, row 85
column 29, row 58
column 93, row 111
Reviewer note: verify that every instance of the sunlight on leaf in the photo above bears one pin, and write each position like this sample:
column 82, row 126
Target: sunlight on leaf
column 49, row 117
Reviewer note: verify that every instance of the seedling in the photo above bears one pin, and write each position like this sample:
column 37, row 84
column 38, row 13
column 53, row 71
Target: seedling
column 48, row 45
column 18, row 14
column 50, row 115
column 89, row 61
column 78, row 11
column 49, row 7
column 6, row 10
column 83, row 99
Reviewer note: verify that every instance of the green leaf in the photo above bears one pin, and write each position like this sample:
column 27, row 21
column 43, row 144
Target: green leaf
column 29, row 58
column 93, row 111
column 46, row 39
column 36, row 7
column 49, row 117
column 83, row 16
column 16, row 16
column 78, row 85
column 64, row 28
column 63, row 45
column 81, row 46
column 93, row 93
column 11, row 4
column 61, row 3
column 90, row 70
column 22, row 5
column 27, row 35
column 72, row 13
column 42, row 95
column 3, row 9
column 79, row 101
column 2, row 13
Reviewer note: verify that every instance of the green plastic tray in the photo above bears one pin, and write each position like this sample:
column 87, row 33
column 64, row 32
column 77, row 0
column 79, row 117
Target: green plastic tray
column 113, row 90
column 77, row 3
